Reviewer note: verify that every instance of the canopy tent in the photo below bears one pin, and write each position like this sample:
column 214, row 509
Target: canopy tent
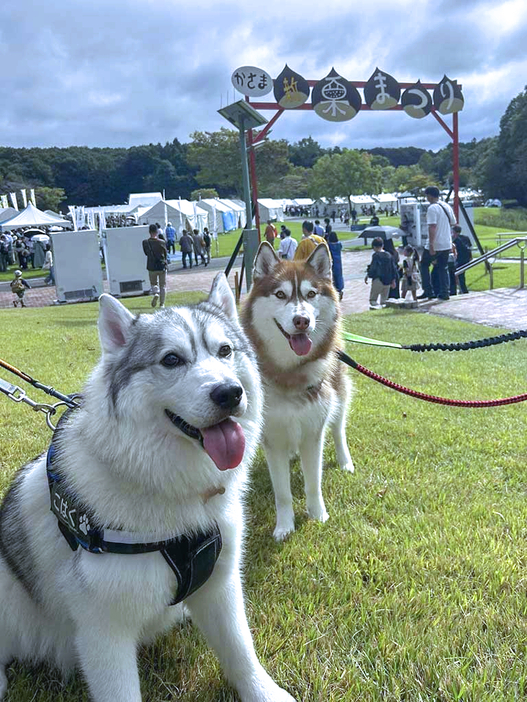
column 303, row 201
column 182, row 214
column 6, row 213
column 32, row 217
column 144, row 199
column 359, row 200
column 216, row 209
column 387, row 199
column 240, row 210
column 270, row 209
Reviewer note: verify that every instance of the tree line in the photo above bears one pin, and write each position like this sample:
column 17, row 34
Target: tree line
column 211, row 161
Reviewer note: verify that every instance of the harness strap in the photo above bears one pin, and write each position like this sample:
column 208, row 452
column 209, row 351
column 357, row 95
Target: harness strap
column 191, row 558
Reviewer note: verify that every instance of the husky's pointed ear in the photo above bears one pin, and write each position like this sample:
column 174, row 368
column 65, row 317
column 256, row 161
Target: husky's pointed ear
column 265, row 261
column 320, row 260
column 114, row 324
column 221, row 296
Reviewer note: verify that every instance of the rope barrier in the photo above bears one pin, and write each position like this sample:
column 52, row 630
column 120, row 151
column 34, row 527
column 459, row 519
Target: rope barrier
column 429, row 398
column 457, row 346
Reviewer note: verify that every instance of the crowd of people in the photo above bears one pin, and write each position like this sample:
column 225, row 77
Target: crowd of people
column 395, row 274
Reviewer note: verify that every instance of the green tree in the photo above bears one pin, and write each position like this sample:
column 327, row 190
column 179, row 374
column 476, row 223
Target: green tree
column 49, row 198
column 345, row 174
column 509, row 169
column 305, row 153
column 217, row 157
column 203, row 193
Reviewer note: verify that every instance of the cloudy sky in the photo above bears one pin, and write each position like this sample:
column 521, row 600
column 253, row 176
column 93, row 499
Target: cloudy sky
column 126, row 72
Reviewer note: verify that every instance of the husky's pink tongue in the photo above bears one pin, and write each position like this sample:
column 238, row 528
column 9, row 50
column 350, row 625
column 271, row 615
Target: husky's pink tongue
column 300, row 343
column 225, row 443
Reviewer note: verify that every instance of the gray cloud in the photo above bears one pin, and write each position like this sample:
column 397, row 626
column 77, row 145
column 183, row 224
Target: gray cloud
column 137, row 71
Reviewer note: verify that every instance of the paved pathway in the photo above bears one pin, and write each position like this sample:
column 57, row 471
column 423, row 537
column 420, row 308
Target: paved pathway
column 505, row 308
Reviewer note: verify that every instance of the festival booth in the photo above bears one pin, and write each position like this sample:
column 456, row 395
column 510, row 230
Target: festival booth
column 270, row 209
column 77, row 265
column 144, row 199
column 181, row 213
column 33, row 217
column 7, row 213
column 240, row 212
column 216, row 209
column 388, row 200
column 125, row 260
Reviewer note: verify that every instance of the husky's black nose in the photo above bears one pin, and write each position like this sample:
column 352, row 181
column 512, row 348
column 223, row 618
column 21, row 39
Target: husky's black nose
column 227, row 396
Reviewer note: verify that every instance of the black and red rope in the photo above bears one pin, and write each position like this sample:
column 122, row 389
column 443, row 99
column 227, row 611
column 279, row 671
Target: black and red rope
column 429, row 398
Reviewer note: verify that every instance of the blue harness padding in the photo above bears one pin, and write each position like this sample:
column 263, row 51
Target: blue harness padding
column 191, row 558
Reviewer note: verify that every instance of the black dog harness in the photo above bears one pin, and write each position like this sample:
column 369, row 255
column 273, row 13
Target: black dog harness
column 192, row 559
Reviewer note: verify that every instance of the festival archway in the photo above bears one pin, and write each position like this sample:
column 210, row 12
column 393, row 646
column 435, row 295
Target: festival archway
column 336, row 99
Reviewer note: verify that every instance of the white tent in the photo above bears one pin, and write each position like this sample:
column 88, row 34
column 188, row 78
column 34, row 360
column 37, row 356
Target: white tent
column 182, row 214
column 215, row 209
column 385, row 199
column 303, row 201
column 32, row 217
column 7, row 213
column 359, row 200
column 270, row 209
column 144, row 199
column 240, row 211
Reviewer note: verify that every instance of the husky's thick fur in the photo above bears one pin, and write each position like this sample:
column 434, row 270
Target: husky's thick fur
column 292, row 317
column 123, row 454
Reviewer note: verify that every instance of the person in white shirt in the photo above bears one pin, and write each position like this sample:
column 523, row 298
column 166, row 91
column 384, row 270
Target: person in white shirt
column 440, row 219
column 288, row 245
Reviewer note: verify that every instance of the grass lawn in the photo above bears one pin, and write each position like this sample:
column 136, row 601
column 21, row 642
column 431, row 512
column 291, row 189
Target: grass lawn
column 415, row 588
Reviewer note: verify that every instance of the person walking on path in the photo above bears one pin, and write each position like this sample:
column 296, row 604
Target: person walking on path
column 288, row 245
column 270, row 233
column 48, row 265
column 440, row 219
column 156, row 265
column 463, row 251
column 18, row 286
column 309, row 242
column 187, row 248
column 207, row 242
column 199, row 247
column 335, row 248
column 170, row 234
column 383, row 273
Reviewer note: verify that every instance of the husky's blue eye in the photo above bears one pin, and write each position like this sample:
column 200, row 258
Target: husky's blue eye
column 280, row 295
column 171, row 360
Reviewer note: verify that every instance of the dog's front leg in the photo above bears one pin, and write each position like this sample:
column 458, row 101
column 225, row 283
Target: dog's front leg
column 278, row 464
column 109, row 663
column 311, row 448
column 218, row 610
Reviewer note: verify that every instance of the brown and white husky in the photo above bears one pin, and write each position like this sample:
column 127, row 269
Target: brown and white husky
column 292, row 317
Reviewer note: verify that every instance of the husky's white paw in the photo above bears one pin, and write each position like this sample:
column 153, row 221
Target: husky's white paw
column 348, row 466
column 281, row 531
column 266, row 691
column 319, row 513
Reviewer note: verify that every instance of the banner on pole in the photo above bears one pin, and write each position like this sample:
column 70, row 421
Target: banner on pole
column 13, row 200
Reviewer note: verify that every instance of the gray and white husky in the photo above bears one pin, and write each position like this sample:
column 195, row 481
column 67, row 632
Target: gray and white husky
column 157, row 452
column 292, row 316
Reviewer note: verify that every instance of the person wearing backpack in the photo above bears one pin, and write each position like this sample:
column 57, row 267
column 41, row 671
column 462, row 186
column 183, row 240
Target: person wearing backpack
column 18, row 286
column 383, row 273
column 156, row 264
column 463, row 249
